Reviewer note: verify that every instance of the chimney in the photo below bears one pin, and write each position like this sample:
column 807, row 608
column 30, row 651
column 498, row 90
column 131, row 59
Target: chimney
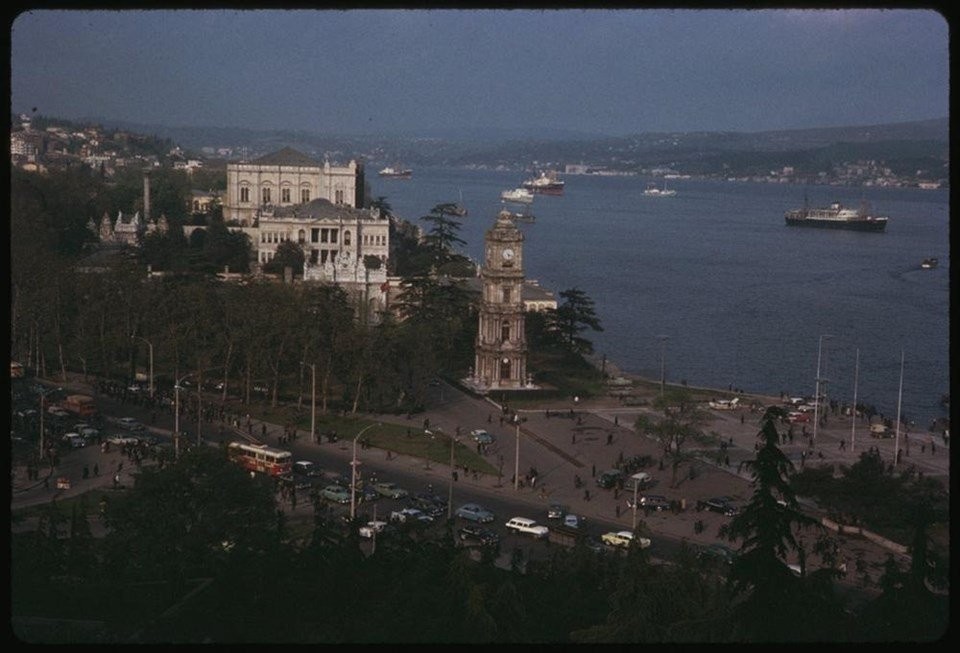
column 146, row 196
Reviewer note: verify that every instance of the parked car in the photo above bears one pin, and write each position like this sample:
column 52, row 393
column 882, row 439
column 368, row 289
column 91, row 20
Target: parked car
column 121, row 439
column 480, row 436
column 368, row 530
column 390, row 490
column 429, row 504
column 807, row 408
column 477, row 536
column 526, row 526
column 624, row 539
column 88, row 433
column 75, row 440
column 723, row 505
column 307, row 468
column 795, row 417
column 130, row 424
column 336, row 493
column 640, row 479
column 367, row 493
column 609, row 478
column 656, row 502
column 410, row 515
column 475, row 512
column 718, row 553
column 573, row 521
column 556, row 511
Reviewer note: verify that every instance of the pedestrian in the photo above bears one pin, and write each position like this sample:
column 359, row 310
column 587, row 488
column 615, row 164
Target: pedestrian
column 616, row 421
column 489, row 418
column 86, row 472
column 573, row 438
column 610, row 438
column 618, row 511
column 843, row 445
column 726, row 460
column 933, row 448
column 586, row 495
column 741, row 418
column 593, row 470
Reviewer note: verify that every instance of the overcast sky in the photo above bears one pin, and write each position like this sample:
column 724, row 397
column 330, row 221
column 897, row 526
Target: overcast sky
column 607, row 71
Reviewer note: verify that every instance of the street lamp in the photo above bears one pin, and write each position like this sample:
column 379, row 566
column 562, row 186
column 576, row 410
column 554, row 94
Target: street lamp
column 353, row 472
column 663, row 359
column 176, row 412
column 816, row 403
column 313, row 401
column 453, row 443
column 896, row 444
column 150, row 345
column 516, row 462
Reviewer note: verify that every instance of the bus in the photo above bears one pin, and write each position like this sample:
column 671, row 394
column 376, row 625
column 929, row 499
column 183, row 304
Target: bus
column 261, row 458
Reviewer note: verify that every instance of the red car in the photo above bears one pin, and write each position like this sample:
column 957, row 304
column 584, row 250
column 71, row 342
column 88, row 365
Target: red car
column 794, row 416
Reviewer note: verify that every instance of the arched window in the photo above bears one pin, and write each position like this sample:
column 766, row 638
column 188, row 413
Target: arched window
column 346, row 238
column 301, row 236
column 505, row 332
column 244, row 194
column 504, row 369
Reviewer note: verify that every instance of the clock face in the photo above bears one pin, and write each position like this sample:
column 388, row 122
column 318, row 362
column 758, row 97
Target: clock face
column 508, row 254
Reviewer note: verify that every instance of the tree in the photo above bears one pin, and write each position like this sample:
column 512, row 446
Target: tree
column 767, row 527
column 573, row 316
column 442, row 235
column 289, row 254
column 682, row 419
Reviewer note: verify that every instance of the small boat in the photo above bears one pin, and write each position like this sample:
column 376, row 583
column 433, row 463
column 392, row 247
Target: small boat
column 929, row 263
column 519, row 195
column 836, row 216
column 653, row 191
column 396, row 173
column 546, row 184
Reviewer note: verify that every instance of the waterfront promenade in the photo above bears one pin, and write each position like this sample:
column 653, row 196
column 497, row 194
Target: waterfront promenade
column 561, row 446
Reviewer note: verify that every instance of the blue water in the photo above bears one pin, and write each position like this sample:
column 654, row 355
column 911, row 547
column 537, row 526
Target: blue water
column 742, row 297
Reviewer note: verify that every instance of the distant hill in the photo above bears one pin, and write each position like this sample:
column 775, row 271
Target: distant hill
column 700, row 151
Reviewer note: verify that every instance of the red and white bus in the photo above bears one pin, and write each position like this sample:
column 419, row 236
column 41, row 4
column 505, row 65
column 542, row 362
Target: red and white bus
column 261, row 458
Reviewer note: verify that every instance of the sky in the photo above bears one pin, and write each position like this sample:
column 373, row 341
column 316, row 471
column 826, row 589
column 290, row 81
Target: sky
column 415, row 72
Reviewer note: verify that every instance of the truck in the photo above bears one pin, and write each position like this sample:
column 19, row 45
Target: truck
column 79, row 405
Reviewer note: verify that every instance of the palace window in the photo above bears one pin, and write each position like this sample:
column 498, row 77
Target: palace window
column 505, row 332
column 244, row 194
column 504, row 369
column 304, row 195
column 314, row 235
column 301, row 236
column 285, row 195
column 338, row 196
column 265, row 193
column 346, row 238
column 506, row 295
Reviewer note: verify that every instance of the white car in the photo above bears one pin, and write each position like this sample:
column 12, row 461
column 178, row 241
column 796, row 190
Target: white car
column 527, row 527
column 120, row 439
column 75, row 440
column 371, row 528
column 624, row 539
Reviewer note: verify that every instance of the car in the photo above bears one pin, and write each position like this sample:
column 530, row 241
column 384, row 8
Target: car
column 609, row 478
column 795, row 417
column 367, row 493
column 527, row 526
column 723, row 505
column 640, row 479
column 475, row 512
column 573, row 521
column 477, row 536
column 480, row 436
column 306, row 468
column 429, row 504
column 335, row 493
column 372, row 528
column 75, row 440
column 390, row 490
column 130, row 424
column 89, row 433
column 718, row 553
column 410, row 515
column 624, row 539
column 556, row 511
column 120, row 439
column 807, row 408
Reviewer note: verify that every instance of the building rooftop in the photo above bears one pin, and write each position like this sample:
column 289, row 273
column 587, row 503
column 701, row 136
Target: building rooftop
column 287, row 157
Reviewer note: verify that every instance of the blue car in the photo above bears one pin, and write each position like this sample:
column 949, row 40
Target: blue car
column 475, row 512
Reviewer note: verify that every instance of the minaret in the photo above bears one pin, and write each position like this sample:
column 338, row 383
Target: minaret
column 501, row 348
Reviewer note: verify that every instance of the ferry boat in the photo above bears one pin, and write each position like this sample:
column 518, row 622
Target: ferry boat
column 521, row 195
column 836, row 216
column 396, row 173
column 546, row 184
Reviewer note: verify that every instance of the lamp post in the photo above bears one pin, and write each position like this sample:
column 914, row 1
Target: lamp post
column 313, row 401
column 353, row 472
column 150, row 346
column 896, row 444
column 453, row 443
column 853, row 420
column 663, row 361
column 816, row 403
column 516, row 461
column 636, row 484
column 176, row 412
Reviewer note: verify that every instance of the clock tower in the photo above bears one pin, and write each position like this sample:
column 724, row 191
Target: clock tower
column 501, row 349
